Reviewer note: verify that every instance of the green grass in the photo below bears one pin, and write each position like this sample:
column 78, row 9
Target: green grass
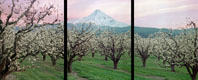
column 141, row 78
column 45, row 71
column 153, row 69
column 98, row 69
column 70, row 77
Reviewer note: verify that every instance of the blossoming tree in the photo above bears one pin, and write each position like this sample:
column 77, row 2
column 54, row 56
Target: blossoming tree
column 17, row 46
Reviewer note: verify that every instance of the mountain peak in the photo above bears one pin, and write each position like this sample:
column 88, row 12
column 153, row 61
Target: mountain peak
column 98, row 12
column 101, row 19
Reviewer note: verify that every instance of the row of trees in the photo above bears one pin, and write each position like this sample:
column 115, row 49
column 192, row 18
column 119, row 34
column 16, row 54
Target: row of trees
column 176, row 50
column 84, row 40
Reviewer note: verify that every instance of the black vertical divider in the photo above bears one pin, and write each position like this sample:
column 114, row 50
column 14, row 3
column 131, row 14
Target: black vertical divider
column 132, row 38
column 65, row 39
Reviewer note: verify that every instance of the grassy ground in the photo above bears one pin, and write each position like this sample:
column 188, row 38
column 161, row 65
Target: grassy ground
column 153, row 71
column 98, row 69
column 45, row 71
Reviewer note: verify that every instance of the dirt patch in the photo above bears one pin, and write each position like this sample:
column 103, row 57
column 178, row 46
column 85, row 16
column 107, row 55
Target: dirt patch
column 11, row 77
column 151, row 77
column 78, row 77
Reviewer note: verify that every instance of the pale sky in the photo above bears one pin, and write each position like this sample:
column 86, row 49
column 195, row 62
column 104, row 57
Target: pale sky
column 58, row 4
column 118, row 9
column 165, row 13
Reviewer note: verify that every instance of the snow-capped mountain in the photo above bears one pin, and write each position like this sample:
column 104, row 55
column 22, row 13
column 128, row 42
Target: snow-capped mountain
column 100, row 19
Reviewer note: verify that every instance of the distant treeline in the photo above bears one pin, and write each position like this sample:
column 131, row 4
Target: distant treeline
column 144, row 31
column 102, row 28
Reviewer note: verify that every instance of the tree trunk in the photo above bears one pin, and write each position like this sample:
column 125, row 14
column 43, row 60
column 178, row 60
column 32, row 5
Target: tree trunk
column 194, row 75
column 172, row 68
column 3, row 69
column 192, row 71
column 129, row 54
column 158, row 58
column 53, row 60
column 144, row 62
column 115, row 64
column 106, row 58
column 69, row 67
column 79, row 58
column 3, row 76
column 93, row 54
column 164, row 62
column 44, row 57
